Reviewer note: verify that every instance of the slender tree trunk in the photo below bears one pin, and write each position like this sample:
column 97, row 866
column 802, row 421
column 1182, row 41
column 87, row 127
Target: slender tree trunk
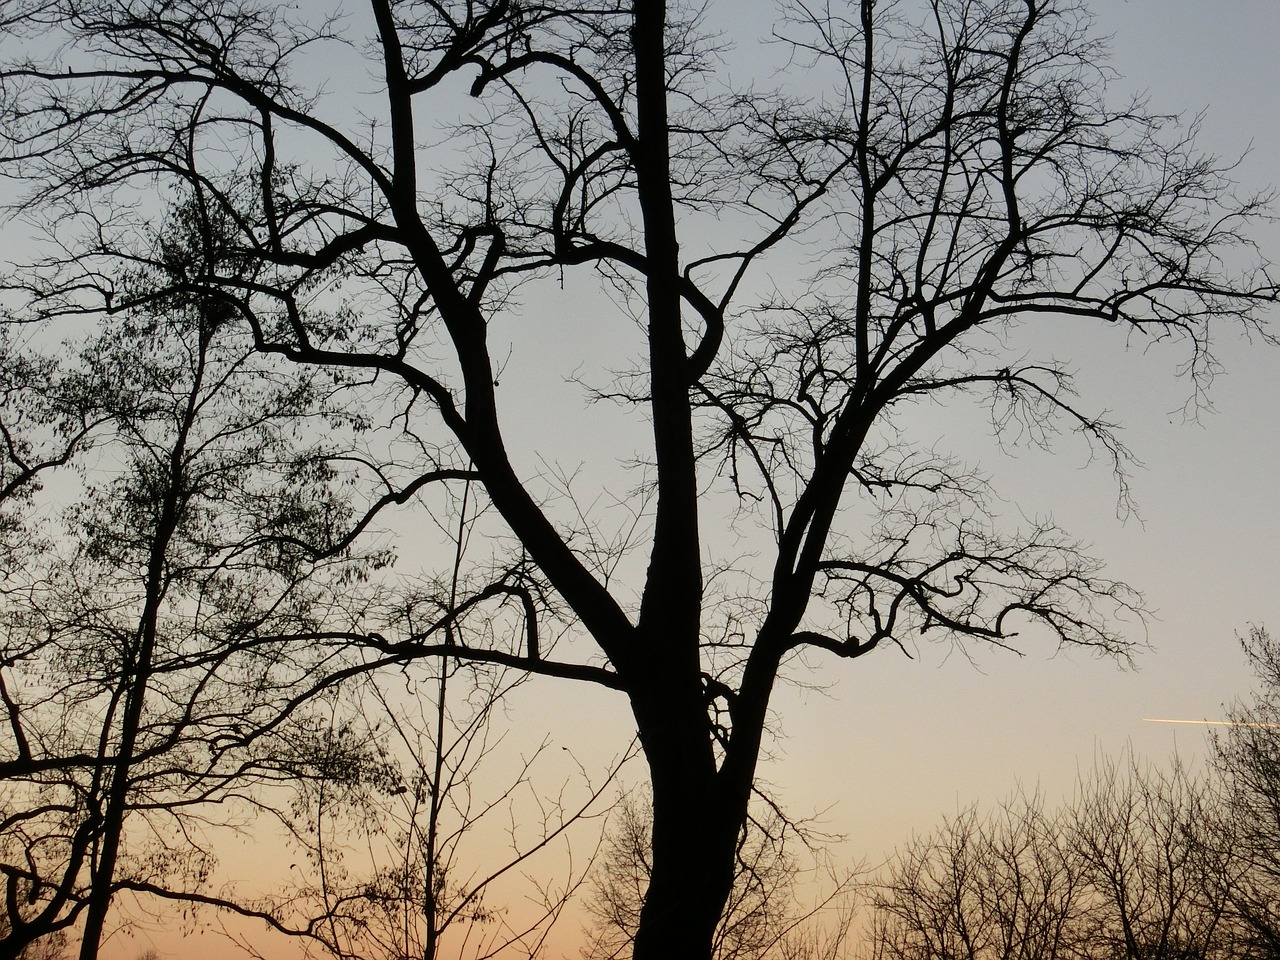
column 138, row 679
column 103, row 871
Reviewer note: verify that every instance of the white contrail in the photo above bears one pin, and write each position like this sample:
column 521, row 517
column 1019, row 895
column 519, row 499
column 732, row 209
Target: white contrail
column 1211, row 723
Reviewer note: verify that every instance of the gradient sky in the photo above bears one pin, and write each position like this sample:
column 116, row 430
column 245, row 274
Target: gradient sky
column 893, row 744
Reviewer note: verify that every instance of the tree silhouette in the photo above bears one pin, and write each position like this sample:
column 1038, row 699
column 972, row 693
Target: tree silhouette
column 1248, row 758
column 202, row 533
column 179, row 654
column 1129, row 869
column 948, row 171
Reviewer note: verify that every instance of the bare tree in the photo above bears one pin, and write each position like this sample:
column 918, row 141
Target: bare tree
column 963, row 171
column 48, row 948
column 46, row 419
column 1130, row 869
column 1248, row 758
column 410, row 853
column 1004, row 886
column 1144, row 841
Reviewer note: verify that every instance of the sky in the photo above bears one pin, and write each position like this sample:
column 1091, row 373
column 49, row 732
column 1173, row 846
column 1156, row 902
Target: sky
column 892, row 744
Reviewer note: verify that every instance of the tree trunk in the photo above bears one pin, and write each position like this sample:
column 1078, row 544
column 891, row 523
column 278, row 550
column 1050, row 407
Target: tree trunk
column 690, row 882
column 694, row 834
